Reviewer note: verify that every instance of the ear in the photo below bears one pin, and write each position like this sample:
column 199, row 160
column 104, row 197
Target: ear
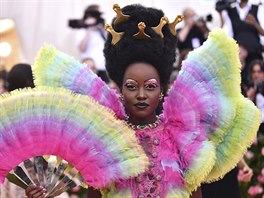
column 161, row 89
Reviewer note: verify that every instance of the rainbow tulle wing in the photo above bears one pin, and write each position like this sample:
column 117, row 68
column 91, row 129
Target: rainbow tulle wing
column 56, row 69
column 53, row 121
column 207, row 104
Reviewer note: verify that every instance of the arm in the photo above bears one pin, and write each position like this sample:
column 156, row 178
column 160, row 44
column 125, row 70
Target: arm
column 250, row 19
column 227, row 24
column 84, row 42
column 245, row 172
column 197, row 193
column 183, row 33
column 221, row 19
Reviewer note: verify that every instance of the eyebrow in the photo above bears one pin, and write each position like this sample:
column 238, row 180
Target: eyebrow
column 129, row 79
column 151, row 79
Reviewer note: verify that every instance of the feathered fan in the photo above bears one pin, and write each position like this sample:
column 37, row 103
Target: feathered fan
column 53, row 121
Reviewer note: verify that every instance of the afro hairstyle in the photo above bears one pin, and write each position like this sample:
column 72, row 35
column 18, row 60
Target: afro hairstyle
column 157, row 51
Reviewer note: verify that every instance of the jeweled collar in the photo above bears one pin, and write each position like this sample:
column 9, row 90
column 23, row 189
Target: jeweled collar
column 145, row 126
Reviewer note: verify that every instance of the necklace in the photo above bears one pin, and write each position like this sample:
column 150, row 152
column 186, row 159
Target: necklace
column 145, row 126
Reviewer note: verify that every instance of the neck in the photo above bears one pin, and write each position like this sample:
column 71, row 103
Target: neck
column 243, row 4
column 142, row 121
column 148, row 125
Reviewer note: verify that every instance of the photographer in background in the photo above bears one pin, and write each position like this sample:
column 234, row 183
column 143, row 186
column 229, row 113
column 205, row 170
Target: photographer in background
column 190, row 35
column 93, row 38
column 244, row 22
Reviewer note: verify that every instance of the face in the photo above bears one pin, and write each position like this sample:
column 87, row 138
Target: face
column 141, row 90
column 257, row 74
column 189, row 16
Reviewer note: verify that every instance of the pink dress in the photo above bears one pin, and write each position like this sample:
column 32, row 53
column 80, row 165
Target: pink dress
column 206, row 123
column 163, row 157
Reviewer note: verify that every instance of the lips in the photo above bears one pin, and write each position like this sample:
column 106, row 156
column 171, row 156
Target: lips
column 141, row 105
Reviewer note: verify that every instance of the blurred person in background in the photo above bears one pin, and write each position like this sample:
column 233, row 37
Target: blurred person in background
column 243, row 54
column 3, row 79
column 93, row 39
column 244, row 22
column 190, row 35
column 20, row 76
column 202, row 24
column 255, row 77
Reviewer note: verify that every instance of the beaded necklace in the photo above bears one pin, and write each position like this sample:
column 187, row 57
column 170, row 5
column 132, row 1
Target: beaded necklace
column 145, row 126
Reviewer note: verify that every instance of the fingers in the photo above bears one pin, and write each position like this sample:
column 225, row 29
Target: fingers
column 247, row 170
column 247, row 173
column 250, row 19
column 34, row 191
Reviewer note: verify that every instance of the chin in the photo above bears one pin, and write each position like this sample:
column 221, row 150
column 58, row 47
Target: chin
column 142, row 114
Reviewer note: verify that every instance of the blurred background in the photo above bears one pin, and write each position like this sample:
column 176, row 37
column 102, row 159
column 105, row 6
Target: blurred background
column 40, row 21
column 76, row 28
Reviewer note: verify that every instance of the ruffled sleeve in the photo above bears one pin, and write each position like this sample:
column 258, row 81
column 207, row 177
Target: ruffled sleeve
column 56, row 69
column 210, row 120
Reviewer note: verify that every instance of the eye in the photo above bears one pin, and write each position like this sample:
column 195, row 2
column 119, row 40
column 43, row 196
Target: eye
column 130, row 86
column 151, row 86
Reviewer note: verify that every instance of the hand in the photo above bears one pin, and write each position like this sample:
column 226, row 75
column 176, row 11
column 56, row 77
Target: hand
column 250, row 19
column 245, row 174
column 251, row 93
column 34, row 191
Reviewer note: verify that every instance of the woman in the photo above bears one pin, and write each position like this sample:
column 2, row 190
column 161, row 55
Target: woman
column 140, row 53
column 256, row 76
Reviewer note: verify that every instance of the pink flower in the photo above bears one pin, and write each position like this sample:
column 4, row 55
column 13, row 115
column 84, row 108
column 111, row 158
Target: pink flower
column 249, row 154
column 255, row 190
column 261, row 178
column 262, row 151
column 255, row 141
column 262, row 171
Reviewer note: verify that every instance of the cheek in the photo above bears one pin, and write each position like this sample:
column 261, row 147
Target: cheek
column 155, row 98
column 128, row 97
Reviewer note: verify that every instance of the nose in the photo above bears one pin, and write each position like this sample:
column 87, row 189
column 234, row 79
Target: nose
column 141, row 94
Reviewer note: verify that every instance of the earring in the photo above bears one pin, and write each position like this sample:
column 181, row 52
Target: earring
column 121, row 96
column 161, row 96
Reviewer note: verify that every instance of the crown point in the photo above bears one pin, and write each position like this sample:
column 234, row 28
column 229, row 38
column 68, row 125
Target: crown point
column 120, row 16
column 116, row 36
column 141, row 33
column 158, row 28
column 172, row 25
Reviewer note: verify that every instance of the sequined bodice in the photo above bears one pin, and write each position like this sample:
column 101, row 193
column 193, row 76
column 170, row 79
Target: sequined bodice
column 149, row 183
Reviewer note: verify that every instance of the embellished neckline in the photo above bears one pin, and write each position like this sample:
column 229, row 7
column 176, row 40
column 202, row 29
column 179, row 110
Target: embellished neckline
column 145, row 126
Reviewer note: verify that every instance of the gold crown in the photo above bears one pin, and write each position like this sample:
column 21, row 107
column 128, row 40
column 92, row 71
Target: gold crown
column 116, row 36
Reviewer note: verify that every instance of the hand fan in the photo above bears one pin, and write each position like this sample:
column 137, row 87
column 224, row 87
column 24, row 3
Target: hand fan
column 53, row 121
column 51, row 172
